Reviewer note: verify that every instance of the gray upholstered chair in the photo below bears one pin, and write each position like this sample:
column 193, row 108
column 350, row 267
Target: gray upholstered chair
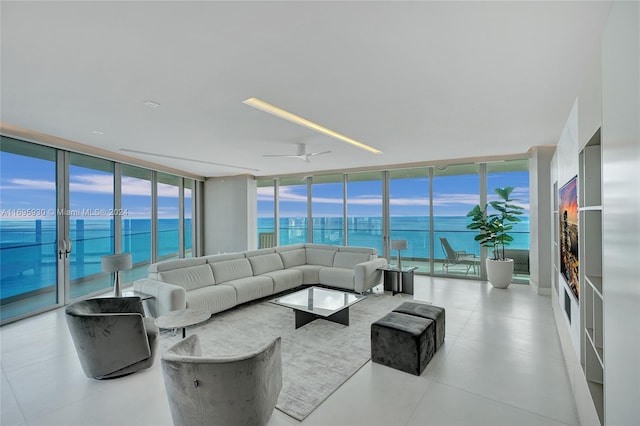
column 234, row 391
column 111, row 335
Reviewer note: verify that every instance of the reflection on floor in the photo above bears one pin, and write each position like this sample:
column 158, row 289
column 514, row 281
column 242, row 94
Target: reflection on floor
column 501, row 364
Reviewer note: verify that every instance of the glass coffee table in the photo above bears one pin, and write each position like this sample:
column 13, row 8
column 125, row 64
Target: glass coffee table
column 317, row 302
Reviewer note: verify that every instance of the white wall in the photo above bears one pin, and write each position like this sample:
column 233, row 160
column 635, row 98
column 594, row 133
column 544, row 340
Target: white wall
column 229, row 214
column 540, row 226
column 566, row 158
column 621, row 213
column 610, row 98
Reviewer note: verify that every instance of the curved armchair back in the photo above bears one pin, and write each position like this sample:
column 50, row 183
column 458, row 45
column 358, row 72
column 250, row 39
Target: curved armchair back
column 111, row 336
column 238, row 390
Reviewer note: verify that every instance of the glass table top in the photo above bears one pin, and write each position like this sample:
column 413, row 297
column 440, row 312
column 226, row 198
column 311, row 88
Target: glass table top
column 318, row 300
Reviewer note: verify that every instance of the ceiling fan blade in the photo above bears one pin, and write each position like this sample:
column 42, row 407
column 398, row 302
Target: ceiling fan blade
column 301, row 153
column 317, row 153
column 280, row 155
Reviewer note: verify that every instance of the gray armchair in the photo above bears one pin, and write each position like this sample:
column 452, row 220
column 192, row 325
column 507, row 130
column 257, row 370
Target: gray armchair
column 238, row 390
column 111, row 335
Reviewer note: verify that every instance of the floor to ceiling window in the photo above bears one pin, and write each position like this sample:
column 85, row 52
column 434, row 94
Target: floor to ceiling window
column 292, row 204
column 137, row 205
column 514, row 173
column 28, row 241
column 364, row 210
column 91, row 224
column 266, row 213
column 327, row 209
column 168, row 216
column 188, row 217
column 426, row 206
column 456, row 189
column 62, row 211
column 409, row 215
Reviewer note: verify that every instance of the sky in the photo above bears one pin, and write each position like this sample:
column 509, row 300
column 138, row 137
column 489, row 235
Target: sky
column 452, row 196
column 30, row 183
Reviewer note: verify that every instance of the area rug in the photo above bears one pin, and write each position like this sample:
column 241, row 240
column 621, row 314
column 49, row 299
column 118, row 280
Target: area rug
column 316, row 358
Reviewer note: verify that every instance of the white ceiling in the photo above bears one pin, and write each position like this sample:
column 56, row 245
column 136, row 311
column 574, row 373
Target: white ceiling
column 420, row 81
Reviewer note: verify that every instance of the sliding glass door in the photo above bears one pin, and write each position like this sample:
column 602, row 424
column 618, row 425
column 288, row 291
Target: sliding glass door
column 28, row 241
column 364, row 210
column 168, row 221
column 90, row 217
column 292, row 205
column 137, row 205
column 456, row 189
column 327, row 209
column 61, row 212
column 409, row 216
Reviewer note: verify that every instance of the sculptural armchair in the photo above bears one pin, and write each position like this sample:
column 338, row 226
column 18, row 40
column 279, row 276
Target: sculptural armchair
column 111, row 335
column 237, row 390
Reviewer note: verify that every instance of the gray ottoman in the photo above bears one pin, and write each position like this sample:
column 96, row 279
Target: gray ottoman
column 404, row 342
column 435, row 313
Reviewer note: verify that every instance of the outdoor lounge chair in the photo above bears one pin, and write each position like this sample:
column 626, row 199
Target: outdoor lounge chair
column 457, row 257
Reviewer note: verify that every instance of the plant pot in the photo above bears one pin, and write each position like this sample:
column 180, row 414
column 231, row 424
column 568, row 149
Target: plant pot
column 499, row 272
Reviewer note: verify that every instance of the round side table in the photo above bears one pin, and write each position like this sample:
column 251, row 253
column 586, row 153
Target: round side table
column 182, row 318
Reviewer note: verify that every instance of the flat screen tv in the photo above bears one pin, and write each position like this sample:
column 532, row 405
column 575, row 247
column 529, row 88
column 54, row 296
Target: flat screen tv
column 568, row 212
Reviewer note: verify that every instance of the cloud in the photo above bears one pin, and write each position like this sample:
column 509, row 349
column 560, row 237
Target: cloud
column 30, row 184
column 95, row 184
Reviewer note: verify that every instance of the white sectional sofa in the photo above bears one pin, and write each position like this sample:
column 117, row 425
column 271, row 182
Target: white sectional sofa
column 220, row 282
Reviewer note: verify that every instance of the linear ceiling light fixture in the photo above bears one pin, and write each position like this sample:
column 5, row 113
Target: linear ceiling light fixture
column 279, row 112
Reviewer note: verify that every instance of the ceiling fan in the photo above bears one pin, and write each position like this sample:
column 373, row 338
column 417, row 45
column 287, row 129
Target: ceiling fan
column 301, row 154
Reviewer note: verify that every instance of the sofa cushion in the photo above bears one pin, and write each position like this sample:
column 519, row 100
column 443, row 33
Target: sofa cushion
column 291, row 258
column 228, row 270
column 321, row 256
column 189, row 278
column 310, row 273
column 214, row 298
column 337, row 277
column 259, row 252
column 265, row 263
column 367, row 250
column 251, row 288
column 225, row 256
column 285, row 279
column 175, row 264
column 345, row 259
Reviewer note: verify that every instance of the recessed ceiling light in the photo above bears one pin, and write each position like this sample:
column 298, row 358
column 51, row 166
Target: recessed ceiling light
column 151, row 104
column 97, row 132
column 279, row 112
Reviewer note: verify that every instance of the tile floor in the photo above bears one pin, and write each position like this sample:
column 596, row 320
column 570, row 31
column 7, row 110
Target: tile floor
column 501, row 365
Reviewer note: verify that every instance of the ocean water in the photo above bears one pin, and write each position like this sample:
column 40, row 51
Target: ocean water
column 28, row 248
column 367, row 232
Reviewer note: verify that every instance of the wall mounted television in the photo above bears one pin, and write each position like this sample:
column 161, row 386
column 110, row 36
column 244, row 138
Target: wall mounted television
column 568, row 212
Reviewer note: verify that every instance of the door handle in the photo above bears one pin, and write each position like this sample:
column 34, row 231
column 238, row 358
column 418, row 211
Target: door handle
column 62, row 245
column 65, row 248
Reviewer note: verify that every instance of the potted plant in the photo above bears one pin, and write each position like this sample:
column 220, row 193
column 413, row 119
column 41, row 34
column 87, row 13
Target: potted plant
column 493, row 234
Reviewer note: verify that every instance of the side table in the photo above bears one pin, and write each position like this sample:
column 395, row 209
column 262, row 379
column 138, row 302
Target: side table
column 182, row 318
column 143, row 296
column 398, row 280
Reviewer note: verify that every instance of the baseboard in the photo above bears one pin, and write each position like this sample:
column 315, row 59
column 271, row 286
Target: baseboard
column 542, row 291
